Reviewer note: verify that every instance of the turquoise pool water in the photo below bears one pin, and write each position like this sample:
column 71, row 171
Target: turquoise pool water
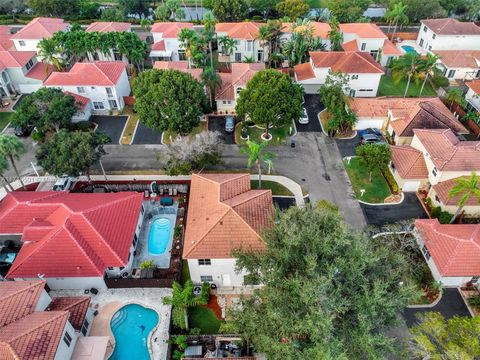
column 131, row 326
column 159, row 236
column 409, row 49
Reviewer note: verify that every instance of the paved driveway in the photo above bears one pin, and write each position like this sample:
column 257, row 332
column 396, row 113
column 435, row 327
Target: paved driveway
column 146, row 136
column 110, row 125
column 450, row 305
column 283, row 202
column 313, row 106
column 217, row 123
column 347, row 146
column 410, row 208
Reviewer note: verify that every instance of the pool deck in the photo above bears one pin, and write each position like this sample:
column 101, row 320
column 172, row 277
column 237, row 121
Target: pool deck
column 108, row 301
column 156, row 211
column 413, row 44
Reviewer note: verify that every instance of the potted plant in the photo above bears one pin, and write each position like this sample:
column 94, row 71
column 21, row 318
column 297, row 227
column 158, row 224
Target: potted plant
column 244, row 132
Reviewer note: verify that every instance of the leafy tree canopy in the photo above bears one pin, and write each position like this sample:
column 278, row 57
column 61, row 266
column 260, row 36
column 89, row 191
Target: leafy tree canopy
column 71, row 153
column 329, row 292
column 135, row 7
column 169, row 100
column 112, row 14
column 59, row 8
column 292, row 8
column 170, row 9
column 229, row 10
column 418, row 10
column 348, row 10
column 374, row 156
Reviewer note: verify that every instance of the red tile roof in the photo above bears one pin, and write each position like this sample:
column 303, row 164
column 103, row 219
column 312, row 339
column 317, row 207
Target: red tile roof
column 40, row 71
column 18, row 299
column 99, row 73
column 451, row 26
column 242, row 30
column 6, row 42
column 474, row 85
column 15, row 59
column 80, row 100
column 77, row 306
column 455, row 249
column 69, row 234
column 225, row 215
column 304, row 71
column 350, row 45
column 40, row 28
column 363, row 30
column 447, row 152
column 105, row 27
column 459, row 58
column 159, row 45
column 390, row 49
column 7, row 352
column 353, row 62
column 240, row 76
column 443, row 188
column 319, row 29
column 379, row 107
column 409, row 162
column 170, row 29
column 180, row 66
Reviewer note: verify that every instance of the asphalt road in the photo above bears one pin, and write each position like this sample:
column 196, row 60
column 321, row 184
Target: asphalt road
column 111, row 125
column 146, row 136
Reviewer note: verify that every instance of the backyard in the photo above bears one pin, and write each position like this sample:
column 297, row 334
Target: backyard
column 5, row 118
column 375, row 191
column 389, row 88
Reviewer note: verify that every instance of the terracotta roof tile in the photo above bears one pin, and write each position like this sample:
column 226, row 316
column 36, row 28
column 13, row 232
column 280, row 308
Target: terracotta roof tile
column 363, row 30
column 474, row 85
column 353, row 62
column 76, row 306
column 40, row 28
column 16, row 59
column 180, row 66
column 390, row 49
column 170, row 30
column 240, row 76
column 409, row 162
column 243, row 30
column 100, row 73
column 455, row 249
column 224, row 215
column 443, row 188
column 7, row 352
column 159, row 46
column 350, row 45
column 319, row 29
column 459, row 58
column 80, row 100
column 40, row 71
column 105, row 27
column 451, row 26
column 6, row 42
column 304, row 71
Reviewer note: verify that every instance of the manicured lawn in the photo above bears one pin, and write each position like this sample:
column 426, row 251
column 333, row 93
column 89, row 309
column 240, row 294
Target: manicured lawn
column 375, row 191
column 254, row 133
column 389, row 88
column 277, row 189
column 203, row 318
column 5, row 118
column 196, row 130
column 127, row 135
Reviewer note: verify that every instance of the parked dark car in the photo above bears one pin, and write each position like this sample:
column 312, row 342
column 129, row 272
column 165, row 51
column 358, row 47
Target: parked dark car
column 229, row 124
column 372, row 139
column 371, row 131
column 23, row 131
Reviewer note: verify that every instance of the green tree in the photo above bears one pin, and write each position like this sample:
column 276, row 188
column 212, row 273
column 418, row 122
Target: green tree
column 396, row 16
column 230, row 10
column 374, row 157
column 265, row 7
column 473, row 8
column 270, row 99
column 193, row 45
column 292, row 8
column 136, row 7
column 59, row 8
column 407, row 66
column 89, row 10
column 71, row 153
column 3, row 169
column 438, row 338
column 12, row 7
column 301, row 42
column 329, row 292
column 418, row 10
column 209, row 34
column 227, row 45
column 270, row 35
column 112, row 14
column 465, row 189
column 12, row 149
column 347, row 10
column 455, row 96
column 428, row 69
column 169, row 100
column 335, row 35
column 51, row 53
column 182, row 298
column 170, row 9
column 257, row 155
column 211, row 80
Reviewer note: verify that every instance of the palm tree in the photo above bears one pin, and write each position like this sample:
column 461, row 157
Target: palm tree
column 3, row 168
column 455, row 96
column 50, row 53
column 227, row 44
column 256, row 155
column 406, row 66
column 465, row 188
column 209, row 32
column 12, row 149
column 428, row 67
column 270, row 34
column 189, row 41
column 395, row 16
column 335, row 35
column 212, row 81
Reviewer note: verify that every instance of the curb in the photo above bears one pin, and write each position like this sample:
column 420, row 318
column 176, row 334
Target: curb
column 334, row 138
column 427, row 306
column 124, row 127
column 5, row 128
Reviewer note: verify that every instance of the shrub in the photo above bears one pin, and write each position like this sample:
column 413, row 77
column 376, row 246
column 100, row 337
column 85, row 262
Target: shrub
column 148, row 264
column 445, row 217
column 387, row 174
column 474, row 301
column 436, row 212
column 440, row 81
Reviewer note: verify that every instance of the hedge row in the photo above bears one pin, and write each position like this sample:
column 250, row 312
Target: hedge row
column 387, row 174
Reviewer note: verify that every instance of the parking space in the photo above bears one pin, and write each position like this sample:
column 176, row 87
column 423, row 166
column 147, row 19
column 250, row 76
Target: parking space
column 283, row 202
column 146, row 136
column 217, row 123
column 313, row 106
column 347, row 146
column 111, row 125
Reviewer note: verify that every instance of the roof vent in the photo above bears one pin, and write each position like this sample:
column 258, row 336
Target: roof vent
column 207, row 218
column 221, row 222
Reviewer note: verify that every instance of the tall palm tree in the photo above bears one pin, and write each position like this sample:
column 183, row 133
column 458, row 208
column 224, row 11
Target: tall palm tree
column 256, row 155
column 406, row 66
column 209, row 33
column 455, row 96
column 50, row 53
column 189, row 41
column 466, row 189
column 227, row 44
column 395, row 16
column 428, row 67
column 3, row 168
column 212, row 81
column 12, row 149
column 269, row 35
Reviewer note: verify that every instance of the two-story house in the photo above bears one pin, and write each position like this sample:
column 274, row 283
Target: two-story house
column 28, row 37
column 71, row 240
column 104, row 83
column 34, row 325
column 363, row 72
column 180, row 66
column 448, row 34
column 473, row 95
column 107, row 27
column 166, row 45
column 248, row 45
column 21, row 73
column 320, row 31
column 232, row 83
column 459, row 64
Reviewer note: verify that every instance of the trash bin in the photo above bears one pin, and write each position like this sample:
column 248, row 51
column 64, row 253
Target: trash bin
column 292, row 143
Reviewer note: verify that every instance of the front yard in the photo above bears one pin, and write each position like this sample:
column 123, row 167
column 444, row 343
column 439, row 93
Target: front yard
column 254, row 134
column 375, row 191
column 5, row 118
column 169, row 136
column 388, row 87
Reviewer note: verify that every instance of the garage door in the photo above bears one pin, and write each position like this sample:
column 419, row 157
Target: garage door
column 311, row 89
column 370, row 123
column 411, row 185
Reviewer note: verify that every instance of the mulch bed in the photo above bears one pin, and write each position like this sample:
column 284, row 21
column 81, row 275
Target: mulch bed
column 213, row 305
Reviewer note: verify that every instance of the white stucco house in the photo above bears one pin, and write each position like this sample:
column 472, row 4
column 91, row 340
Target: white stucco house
column 448, row 34
column 473, row 95
column 71, row 240
column 248, row 46
column 28, row 37
column 459, row 64
column 166, row 45
column 363, row 71
column 107, row 27
column 104, row 83
column 224, row 214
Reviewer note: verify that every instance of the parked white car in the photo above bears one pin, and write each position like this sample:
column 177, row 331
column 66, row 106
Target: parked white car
column 304, row 117
column 65, row 183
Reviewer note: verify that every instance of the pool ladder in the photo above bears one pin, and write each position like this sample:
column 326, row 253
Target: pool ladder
column 118, row 319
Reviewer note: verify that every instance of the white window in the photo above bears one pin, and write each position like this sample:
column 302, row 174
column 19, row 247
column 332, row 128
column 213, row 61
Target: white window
column 451, row 73
column 424, row 28
column 351, row 93
column 426, row 252
column 364, row 46
column 181, row 55
column 249, row 45
column 109, row 92
column 67, row 339
column 21, row 43
column 239, row 89
column 224, row 102
column 85, row 327
column 354, row 77
column 80, row 89
column 113, row 104
column 110, row 268
column 29, row 65
column 434, row 171
column 204, row 262
column 238, row 57
column 434, row 36
column 98, row 105
column 206, row 278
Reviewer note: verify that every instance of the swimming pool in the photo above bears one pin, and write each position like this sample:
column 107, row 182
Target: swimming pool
column 409, row 49
column 159, row 236
column 131, row 325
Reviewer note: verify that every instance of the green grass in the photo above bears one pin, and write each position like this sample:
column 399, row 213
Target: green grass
column 5, row 118
column 389, row 88
column 316, row 3
column 277, row 189
column 254, row 133
column 196, row 130
column 203, row 318
column 375, row 191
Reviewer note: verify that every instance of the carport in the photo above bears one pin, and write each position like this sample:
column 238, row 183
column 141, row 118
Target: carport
column 111, row 125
